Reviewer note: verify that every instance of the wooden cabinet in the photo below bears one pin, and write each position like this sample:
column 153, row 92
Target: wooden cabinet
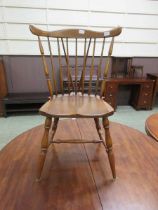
column 145, row 96
column 110, row 93
column 141, row 92
column 3, row 86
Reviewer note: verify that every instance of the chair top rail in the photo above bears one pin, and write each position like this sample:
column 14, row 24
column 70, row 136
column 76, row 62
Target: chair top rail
column 76, row 33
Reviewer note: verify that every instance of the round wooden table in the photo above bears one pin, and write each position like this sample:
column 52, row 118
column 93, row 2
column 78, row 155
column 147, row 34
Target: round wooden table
column 77, row 176
column 151, row 126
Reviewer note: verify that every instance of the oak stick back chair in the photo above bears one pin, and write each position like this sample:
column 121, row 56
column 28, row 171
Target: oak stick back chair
column 84, row 95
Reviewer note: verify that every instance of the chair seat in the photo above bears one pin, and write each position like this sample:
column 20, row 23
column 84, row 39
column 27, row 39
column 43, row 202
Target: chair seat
column 76, row 106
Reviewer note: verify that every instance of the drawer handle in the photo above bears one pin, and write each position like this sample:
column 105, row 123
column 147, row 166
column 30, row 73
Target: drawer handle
column 146, row 94
column 110, row 95
column 144, row 102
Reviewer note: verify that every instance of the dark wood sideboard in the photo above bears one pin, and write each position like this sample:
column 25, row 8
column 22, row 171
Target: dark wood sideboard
column 141, row 92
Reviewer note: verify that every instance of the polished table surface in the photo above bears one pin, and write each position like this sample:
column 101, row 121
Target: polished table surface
column 77, row 176
column 151, row 126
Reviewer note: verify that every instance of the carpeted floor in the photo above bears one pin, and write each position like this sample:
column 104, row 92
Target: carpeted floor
column 13, row 125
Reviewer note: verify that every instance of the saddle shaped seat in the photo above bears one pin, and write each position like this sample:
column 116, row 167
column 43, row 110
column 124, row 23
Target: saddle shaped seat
column 76, row 106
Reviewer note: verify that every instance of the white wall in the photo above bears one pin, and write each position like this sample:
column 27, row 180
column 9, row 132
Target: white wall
column 139, row 20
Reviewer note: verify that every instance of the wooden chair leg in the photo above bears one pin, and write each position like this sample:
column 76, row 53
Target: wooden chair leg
column 108, row 146
column 54, row 127
column 44, row 147
column 98, row 127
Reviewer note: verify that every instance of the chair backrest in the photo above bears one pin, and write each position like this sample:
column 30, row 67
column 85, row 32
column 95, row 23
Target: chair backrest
column 72, row 46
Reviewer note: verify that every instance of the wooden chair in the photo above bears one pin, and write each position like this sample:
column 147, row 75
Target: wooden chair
column 76, row 101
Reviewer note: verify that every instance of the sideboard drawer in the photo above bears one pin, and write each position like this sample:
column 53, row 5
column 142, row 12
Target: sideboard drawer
column 145, row 96
column 111, row 87
column 147, row 88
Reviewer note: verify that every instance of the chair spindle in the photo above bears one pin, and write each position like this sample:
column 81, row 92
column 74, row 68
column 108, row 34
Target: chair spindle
column 50, row 88
column 53, row 69
column 82, row 80
column 60, row 67
column 76, row 68
column 92, row 69
column 66, row 54
column 105, row 74
column 99, row 67
column 68, row 67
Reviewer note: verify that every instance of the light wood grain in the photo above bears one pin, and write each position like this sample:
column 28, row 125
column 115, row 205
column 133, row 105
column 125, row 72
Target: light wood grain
column 71, row 33
column 75, row 104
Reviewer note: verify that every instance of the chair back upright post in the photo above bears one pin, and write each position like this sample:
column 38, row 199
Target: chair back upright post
column 65, row 39
column 106, row 70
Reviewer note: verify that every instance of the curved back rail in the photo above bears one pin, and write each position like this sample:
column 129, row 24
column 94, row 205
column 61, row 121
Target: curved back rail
column 84, row 81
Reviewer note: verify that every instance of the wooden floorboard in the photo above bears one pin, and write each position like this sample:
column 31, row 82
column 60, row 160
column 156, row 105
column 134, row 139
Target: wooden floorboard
column 79, row 177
